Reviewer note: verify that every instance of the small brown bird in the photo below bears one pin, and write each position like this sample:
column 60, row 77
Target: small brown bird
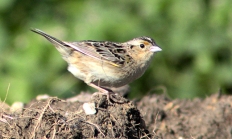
column 104, row 64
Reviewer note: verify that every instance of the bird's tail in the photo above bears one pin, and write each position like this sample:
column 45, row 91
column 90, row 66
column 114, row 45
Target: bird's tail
column 61, row 46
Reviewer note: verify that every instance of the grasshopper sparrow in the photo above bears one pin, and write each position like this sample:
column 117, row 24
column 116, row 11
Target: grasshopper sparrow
column 104, row 64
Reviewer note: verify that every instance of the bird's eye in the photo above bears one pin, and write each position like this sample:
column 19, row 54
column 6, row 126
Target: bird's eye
column 142, row 45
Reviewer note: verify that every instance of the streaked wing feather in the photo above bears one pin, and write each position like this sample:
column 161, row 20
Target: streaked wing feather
column 110, row 52
column 100, row 53
column 83, row 49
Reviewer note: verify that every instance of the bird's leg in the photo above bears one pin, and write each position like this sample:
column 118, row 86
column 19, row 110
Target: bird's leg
column 101, row 91
column 99, row 88
column 108, row 94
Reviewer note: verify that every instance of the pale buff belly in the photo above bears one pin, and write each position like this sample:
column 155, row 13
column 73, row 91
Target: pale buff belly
column 104, row 74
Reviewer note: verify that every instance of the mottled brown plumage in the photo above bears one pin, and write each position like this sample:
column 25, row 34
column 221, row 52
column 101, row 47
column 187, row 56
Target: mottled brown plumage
column 103, row 63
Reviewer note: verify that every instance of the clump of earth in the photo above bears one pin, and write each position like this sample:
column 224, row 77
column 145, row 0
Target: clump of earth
column 153, row 116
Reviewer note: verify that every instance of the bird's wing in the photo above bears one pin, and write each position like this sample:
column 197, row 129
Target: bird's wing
column 108, row 51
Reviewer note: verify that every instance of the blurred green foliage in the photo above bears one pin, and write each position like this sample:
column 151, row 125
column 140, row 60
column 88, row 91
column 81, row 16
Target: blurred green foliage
column 195, row 36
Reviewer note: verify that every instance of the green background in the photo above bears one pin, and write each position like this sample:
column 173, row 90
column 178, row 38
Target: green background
column 195, row 35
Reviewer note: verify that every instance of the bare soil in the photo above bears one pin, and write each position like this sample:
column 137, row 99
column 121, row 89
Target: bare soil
column 153, row 116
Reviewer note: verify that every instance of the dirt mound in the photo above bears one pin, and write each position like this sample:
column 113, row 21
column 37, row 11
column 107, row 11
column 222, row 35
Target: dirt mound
column 56, row 118
column 209, row 118
column 152, row 117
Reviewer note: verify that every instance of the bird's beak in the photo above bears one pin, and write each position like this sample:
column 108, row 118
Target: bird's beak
column 155, row 49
